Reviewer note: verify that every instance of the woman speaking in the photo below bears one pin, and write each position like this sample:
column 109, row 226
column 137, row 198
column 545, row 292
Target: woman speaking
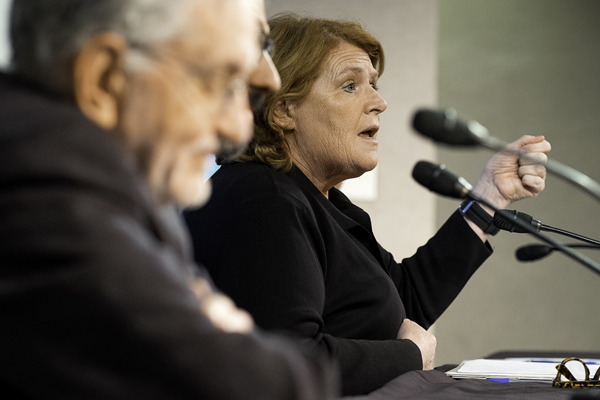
column 290, row 248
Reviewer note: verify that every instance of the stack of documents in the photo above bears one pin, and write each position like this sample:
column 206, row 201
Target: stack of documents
column 519, row 369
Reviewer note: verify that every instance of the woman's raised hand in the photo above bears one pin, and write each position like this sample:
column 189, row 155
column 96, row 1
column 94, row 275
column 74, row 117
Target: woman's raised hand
column 508, row 178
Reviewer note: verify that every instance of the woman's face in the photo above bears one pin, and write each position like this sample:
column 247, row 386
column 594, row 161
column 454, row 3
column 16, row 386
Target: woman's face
column 335, row 126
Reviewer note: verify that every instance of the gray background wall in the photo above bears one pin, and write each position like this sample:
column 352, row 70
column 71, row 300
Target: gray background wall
column 525, row 67
column 4, row 48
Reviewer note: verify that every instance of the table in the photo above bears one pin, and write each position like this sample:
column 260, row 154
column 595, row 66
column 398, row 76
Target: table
column 435, row 385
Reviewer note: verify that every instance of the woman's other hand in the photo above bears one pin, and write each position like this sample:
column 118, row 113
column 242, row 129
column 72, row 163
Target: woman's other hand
column 423, row 339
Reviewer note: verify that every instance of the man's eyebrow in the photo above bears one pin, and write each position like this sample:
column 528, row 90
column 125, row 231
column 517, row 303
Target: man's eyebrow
column 207, row 72
column 227, row 70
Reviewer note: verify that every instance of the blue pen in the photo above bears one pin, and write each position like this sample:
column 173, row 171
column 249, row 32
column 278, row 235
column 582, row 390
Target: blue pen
column 555, row 362
column 502, row 380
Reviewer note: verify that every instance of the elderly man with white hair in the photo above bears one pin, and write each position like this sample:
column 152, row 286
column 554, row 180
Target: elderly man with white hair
column 107, row 118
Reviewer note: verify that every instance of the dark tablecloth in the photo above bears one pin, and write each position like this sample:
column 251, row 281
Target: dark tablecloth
column 433, row 385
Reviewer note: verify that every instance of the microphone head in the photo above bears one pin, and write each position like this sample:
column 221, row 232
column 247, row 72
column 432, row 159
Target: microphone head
column 445, row 127
column 533, row 252
column 438, row 179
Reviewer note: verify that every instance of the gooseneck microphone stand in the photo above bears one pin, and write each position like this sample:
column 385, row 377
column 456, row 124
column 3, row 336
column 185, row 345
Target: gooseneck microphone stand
column 575, row 255
column 438, row 179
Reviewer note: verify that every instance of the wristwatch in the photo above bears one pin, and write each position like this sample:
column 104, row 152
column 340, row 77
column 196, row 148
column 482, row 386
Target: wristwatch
column 472, row 210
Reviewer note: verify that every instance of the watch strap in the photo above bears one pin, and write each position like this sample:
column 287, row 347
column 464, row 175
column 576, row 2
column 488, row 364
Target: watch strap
column 472, row 210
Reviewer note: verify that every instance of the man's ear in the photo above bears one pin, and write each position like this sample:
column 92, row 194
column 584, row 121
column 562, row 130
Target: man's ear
column 283, row 115
column 99, row 78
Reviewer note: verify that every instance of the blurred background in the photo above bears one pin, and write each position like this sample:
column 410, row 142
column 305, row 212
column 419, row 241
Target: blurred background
column 526, row 67
column 518, row 67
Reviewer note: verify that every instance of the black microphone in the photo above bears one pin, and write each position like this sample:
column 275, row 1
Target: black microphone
column 445, row 127
column 535, row 252
column 438, row 179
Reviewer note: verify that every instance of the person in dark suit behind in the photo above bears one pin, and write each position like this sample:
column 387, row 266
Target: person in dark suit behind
column 106, row 121
column 299, row 255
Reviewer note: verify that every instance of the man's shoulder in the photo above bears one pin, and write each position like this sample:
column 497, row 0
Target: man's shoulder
column 66, row 179
column 47, row 139
column 28, row 111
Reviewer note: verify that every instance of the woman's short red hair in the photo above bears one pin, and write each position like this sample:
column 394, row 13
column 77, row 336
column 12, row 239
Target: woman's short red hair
column 301, row 46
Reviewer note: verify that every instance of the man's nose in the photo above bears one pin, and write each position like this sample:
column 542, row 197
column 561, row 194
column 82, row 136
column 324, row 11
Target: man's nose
column 265, row 76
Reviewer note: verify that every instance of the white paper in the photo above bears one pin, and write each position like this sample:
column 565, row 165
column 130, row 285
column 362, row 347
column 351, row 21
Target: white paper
column 518, row 369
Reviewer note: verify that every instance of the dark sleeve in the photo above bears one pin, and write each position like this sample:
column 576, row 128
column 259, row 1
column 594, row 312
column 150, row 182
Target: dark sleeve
column 93, row 307
column 274, row 268
column 430, row 280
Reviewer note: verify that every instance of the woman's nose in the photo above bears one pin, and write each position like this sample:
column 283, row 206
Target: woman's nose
column 377, row 103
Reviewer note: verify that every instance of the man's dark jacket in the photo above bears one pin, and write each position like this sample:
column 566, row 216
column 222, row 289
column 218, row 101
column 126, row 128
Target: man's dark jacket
column 93, row 282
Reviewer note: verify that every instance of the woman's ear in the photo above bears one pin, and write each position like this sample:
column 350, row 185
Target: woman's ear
column 99, row 78
column 283, row 115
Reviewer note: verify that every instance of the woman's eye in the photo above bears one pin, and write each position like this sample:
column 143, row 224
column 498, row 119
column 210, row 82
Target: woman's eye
column 350, row 88
column 375, row 87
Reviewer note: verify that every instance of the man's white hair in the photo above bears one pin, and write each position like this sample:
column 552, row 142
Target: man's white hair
column 46, row 34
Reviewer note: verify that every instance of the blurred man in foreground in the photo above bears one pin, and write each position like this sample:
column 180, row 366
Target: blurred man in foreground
column 105, row 122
